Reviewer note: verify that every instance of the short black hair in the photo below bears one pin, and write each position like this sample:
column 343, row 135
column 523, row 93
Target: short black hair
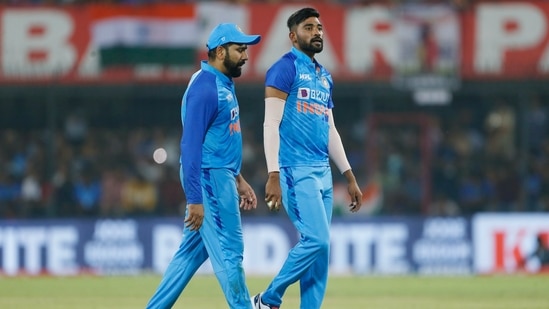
column 299, row 16
column 212, row 52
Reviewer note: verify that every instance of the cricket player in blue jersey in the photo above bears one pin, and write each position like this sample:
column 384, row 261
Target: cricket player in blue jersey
column 211, row 157
column 299, row 139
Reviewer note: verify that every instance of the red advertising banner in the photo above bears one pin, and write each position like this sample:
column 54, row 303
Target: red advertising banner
column 43, row 44
column 507, row 40
column 70, row 44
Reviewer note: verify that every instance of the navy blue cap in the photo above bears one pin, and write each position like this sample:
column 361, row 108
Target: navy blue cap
column 230, row 33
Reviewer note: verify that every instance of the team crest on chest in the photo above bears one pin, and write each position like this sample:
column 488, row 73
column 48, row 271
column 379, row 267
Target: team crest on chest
column 325, row 81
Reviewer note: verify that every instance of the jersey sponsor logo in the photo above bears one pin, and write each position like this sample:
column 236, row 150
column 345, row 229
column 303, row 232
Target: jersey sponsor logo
column 320, row 95
column 306, row 94
column 234, row 113
column 305, row 77
column 303, row 93
column 234, row 126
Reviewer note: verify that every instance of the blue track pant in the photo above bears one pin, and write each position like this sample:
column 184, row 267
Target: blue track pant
column 219, row 238
column 307, row 196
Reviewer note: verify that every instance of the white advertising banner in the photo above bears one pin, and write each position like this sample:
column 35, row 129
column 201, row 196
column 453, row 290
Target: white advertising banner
column 362, row 246
column 504, row 242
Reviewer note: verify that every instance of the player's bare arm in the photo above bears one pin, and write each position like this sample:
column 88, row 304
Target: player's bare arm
column 195, row 216
column 271, row 92
column 337, row 154
column 248, row 200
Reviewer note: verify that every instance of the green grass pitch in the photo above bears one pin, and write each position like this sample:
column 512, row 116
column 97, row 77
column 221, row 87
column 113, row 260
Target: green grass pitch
column 409, row 292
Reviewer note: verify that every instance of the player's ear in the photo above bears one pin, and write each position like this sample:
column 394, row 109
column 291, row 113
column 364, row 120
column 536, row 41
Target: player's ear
column 220, row 52
column 293, row 37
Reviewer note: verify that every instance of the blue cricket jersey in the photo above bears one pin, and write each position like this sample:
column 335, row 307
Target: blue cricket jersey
column 211, row 129
column 304, row 128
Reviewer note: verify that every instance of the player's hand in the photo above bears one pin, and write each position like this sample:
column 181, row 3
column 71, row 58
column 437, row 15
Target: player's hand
column 356, row 197
column 354, row 191
column 195, row 216
column 273, row 193
column 248, row 200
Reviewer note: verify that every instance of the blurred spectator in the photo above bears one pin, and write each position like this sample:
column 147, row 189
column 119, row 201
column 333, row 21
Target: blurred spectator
column 10, row 191
column 87, row 192
column 537, row 125
column 507, row 187
column 500, row 126
column 32, row 204
column 139, row 196
column 171, row 198
column 112, row 182
column 443, row 206
column 63, row 199
column 533, row 187
column 76, row 128
column 474, row 193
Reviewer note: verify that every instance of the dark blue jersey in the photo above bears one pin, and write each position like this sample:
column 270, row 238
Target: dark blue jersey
column 211, row 129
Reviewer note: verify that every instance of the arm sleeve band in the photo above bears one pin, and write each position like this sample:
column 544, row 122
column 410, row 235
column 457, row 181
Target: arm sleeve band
column 335, row 147
column 274, row 109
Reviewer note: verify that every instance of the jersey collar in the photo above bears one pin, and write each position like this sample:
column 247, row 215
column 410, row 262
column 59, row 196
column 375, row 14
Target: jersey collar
column 303, row 57
column 207, row 67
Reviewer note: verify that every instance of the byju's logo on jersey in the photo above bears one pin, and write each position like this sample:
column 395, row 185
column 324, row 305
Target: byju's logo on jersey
column 305, row 77
column 234, row 113
column 234, row 126
column 303, row 93
column 306, row 94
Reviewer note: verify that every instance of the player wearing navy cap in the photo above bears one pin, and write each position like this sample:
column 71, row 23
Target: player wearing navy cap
column 211, row 157
column 299, row 138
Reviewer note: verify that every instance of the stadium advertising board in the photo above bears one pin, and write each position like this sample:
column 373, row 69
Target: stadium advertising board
column 359, row 246
column 503, row 242
column 66, row 44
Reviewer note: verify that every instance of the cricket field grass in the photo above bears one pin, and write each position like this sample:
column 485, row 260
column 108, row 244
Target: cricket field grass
column 203, row 292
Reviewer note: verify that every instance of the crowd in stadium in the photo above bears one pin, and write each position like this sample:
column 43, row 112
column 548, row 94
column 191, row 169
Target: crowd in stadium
column 481, row 161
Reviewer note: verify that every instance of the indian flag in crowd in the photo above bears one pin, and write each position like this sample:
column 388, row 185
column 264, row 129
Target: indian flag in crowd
column 157, row 34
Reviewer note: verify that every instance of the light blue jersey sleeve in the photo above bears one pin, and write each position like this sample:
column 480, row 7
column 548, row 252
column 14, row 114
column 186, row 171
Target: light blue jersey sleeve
column 198, row 110
column 281, row 75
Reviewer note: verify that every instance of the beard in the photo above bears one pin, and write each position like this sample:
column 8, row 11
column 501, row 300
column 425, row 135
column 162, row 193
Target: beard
column 234, row 68
column 310, row 46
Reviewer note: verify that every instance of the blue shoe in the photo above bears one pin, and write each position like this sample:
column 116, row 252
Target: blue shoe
column 259, row 304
